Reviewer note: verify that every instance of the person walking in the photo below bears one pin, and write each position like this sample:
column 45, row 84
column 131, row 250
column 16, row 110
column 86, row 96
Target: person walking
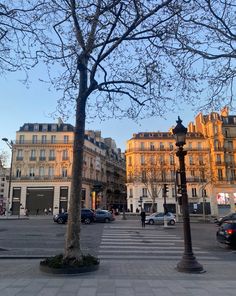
column 143, row 217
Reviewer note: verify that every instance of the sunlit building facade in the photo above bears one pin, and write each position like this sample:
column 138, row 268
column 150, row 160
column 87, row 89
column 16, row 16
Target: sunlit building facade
column 151, row 162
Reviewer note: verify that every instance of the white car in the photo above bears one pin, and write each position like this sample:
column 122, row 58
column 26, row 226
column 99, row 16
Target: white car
column 158, row 218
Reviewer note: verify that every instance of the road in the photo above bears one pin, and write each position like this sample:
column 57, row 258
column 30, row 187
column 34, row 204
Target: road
column 119, row 240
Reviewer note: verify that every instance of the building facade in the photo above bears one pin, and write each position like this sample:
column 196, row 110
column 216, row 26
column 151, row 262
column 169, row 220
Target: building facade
column 42, row 166
column 151, row 162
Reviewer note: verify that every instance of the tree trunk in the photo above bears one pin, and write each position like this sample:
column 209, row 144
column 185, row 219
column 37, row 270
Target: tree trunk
column 72, row 244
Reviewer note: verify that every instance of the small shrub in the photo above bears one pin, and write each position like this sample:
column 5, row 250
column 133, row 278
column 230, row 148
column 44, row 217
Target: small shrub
column 59, row 262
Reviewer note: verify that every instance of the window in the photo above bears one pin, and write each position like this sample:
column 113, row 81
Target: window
column 44, row 139
column 172, row 159
column 199, row 145
column 152, row 159
column 172, row 174
column 202, row 175
column 163, row 175
column 54, row 127
column 19, row 155
column 65, row 155
column 190, row 145
column 51, row 171
column 131, row 192
column 152, row 147
column 220, row 175
column 41, row 171
column 21, row 139
column 142, row 145
column 162, row 159
column 226, row 133
column 36, row 127
column 218, row 158
column 194, row 192
column 42, row 154
column 204, row 193
column 144, row 176
column 230, row 145
column 34, row 139
column 51, row 154
column 44, row 127
column 173, row 191
column 142, row 159
column 66, row 139
column 31, row 172
column 192, row 173
column 171, row 146
column 53, row 139
column 33, row 154
column 144, row 192
column 18, row 173
column 200, row 159
column 162, row 147
column 64, row 172
column 233, row 175
column 190, row 159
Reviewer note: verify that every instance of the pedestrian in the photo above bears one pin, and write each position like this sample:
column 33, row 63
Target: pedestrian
column 62, row 210
column 50, row 211
column 143, row 217
column 37, row 211
column 45, row 211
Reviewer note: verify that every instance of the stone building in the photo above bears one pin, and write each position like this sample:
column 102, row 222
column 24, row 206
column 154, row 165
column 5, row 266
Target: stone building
column 42, row 165
column 151, row 162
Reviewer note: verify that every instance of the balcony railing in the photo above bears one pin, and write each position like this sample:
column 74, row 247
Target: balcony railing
column 39, row 142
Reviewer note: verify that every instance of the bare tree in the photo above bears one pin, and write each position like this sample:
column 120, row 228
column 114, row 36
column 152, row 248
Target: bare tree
column 204, row 40
column 105, row 68
column 108, row 58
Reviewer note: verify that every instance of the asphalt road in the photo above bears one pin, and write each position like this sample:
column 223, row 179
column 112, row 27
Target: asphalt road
column 42, row 237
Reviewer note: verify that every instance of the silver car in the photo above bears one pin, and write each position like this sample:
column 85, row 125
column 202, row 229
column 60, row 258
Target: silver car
column 158, row 218
column 103, row 216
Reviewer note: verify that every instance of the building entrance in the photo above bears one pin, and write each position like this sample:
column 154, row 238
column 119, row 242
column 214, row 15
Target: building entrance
column 38, row 199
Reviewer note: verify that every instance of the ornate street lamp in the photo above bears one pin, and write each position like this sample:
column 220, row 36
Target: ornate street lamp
column 188, row 262
column 10, row 145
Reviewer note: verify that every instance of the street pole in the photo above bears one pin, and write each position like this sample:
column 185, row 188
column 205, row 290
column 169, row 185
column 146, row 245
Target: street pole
column 188, row 262
column 10, row 145
column 165, row 208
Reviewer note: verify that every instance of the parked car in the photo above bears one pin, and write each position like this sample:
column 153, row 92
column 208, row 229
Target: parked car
column 158, row 218
column 87, row 216
column 103, row 216
column 226, row 234
column 225, row 218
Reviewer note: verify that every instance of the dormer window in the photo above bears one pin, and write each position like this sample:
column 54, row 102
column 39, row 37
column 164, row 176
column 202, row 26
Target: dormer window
column 36, row 127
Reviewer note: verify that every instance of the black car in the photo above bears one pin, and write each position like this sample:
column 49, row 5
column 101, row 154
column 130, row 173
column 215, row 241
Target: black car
column 226, row 234
column 87, row 216
column 226, row 218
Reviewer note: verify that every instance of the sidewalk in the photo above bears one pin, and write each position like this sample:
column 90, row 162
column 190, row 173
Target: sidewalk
column 22, row 277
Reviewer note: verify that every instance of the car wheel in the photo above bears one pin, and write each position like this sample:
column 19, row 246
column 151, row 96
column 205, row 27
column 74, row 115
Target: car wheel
column 107, row 220
column 151, row 222
column 171, row 222
column 87, row 221
column 60, row 221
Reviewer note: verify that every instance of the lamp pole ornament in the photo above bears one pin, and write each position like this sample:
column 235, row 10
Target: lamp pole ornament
column 188, row 262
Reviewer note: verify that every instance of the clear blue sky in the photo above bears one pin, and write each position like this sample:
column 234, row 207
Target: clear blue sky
column 21, row 104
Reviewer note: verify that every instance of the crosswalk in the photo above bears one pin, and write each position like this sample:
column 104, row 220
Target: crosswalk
column 133, row 243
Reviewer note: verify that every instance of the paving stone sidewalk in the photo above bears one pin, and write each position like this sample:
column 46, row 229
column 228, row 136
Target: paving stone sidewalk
column 22, row 277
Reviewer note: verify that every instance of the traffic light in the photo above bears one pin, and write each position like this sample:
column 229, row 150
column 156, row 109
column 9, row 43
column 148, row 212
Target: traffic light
column 165, row 189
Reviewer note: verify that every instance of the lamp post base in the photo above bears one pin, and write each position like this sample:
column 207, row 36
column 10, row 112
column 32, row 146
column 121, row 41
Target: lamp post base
column 189, row 264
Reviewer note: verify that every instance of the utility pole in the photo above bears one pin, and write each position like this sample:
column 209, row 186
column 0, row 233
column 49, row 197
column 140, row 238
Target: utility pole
column 165, row 190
